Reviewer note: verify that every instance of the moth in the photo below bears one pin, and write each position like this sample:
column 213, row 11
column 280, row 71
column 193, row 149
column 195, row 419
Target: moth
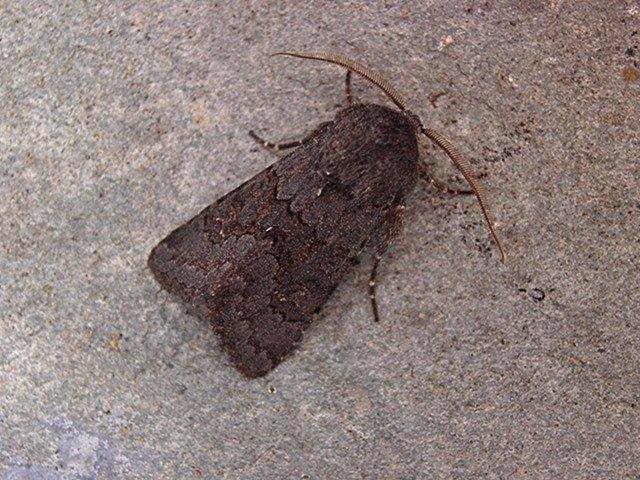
column 259, row 262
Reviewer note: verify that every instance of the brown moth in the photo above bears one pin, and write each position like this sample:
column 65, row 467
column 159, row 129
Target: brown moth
column 259, row 262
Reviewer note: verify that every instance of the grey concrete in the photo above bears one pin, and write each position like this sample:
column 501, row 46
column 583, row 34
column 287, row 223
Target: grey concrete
column 122, row 120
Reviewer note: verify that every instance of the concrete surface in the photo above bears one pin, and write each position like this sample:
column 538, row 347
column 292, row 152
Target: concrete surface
column 119, row 121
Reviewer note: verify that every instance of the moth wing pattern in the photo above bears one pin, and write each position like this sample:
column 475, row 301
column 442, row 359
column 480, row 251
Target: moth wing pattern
column 261, row 260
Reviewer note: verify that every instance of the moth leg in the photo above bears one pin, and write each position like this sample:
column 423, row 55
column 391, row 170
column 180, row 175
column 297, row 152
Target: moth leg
column 276, row 147
column 446, row 189
column 389, row 226
column 442, row 186
column 347, row 88
column 372, row 288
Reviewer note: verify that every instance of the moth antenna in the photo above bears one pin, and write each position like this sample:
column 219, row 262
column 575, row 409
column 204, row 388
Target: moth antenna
column 372, row 76
column 465, row 168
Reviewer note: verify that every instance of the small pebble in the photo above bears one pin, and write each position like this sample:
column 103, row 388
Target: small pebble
column 537, row 294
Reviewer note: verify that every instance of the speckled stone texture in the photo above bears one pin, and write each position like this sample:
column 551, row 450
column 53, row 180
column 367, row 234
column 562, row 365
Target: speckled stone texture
column 121, row 120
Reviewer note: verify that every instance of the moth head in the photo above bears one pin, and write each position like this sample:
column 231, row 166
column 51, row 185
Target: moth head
column 414, row 120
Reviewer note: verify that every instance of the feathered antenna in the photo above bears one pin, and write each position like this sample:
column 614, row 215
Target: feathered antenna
column 373, row 77
column 460, row 162
column 465, row 169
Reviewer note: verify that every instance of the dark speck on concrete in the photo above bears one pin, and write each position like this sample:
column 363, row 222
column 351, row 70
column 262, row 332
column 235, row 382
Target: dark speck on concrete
column 537, row 294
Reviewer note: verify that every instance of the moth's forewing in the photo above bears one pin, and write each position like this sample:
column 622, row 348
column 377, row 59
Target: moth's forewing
column 259, row 262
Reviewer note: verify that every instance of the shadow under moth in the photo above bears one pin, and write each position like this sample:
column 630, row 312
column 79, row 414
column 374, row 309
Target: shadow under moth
column 262, row 260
